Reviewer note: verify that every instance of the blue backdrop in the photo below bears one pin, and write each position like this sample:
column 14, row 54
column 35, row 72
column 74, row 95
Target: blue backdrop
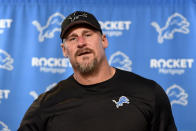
column 153, row 38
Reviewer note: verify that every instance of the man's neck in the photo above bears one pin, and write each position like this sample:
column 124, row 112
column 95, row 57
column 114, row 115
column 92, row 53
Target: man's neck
column 101, row 74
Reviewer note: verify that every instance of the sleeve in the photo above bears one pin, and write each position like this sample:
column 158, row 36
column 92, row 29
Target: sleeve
column 162, row 113
column 32, row 119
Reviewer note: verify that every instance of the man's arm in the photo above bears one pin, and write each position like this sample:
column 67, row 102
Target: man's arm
column 162, row 117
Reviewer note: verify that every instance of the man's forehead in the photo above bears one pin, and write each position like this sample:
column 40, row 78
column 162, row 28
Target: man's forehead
column 80, row 28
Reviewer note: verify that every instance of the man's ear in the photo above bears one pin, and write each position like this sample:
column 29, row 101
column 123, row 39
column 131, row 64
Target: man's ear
column 64, row 50
column 104, row 41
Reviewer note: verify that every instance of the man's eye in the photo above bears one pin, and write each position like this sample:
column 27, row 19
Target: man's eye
column 72, row 39
column 87, row 35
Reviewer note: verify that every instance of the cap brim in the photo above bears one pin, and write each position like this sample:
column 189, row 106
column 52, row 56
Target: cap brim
column 80, row 22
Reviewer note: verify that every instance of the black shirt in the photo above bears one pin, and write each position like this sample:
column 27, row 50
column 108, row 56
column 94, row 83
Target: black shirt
column 126, row 102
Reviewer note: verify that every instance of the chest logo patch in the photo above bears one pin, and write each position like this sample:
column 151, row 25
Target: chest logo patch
column 121, row 101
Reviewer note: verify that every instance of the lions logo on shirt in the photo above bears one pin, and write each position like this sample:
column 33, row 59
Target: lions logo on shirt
column 122, row 100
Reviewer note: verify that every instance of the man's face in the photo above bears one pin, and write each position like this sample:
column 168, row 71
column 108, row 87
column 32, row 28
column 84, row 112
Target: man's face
column 85, row 48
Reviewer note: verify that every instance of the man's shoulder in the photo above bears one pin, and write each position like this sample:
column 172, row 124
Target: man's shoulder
column 47, row 101
column 139, row 86
column 128, row 76
column 57, row 93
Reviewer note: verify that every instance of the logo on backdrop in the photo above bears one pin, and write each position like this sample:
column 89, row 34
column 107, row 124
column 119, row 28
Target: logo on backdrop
column 3, row 127
column 35, row 95
column 5, row 24
column 51, row 65
column 177, row 95
column 6, row 61
column 53, row 25
column 114, row 28
column 110, row 28
column 175, row 23
column 171, row 66
column 4, row 94
column 121, row 61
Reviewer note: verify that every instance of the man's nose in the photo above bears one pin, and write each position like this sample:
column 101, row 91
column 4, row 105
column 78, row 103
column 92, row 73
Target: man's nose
column 81, row 41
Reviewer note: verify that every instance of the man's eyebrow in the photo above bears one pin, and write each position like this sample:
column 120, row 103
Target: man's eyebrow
column 86, row 31
column 75, row 35
column 71, row 35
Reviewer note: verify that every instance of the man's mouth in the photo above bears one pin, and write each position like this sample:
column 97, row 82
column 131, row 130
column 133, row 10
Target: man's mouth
column 83, row 52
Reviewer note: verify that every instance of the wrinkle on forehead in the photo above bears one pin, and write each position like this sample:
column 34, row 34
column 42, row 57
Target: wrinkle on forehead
column 73, row 34
column 80, row 26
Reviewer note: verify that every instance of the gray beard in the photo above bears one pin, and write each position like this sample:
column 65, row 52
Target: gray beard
column 87, row 68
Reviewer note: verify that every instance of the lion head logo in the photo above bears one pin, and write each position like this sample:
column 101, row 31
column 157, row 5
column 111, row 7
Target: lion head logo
column 53, row 25
column 5, row 60
column 4, row 127
column 177, row 95
column 121, row 61
column 175, row 23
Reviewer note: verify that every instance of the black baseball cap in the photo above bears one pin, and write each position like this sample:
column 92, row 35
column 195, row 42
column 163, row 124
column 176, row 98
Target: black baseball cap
column 79, row 18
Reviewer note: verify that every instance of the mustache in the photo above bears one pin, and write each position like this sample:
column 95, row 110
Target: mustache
column 82, row 51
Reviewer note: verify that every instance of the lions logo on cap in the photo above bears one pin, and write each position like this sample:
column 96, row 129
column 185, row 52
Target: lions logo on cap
column 77, row 16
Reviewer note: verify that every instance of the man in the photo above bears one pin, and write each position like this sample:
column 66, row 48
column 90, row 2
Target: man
column 97, row 97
